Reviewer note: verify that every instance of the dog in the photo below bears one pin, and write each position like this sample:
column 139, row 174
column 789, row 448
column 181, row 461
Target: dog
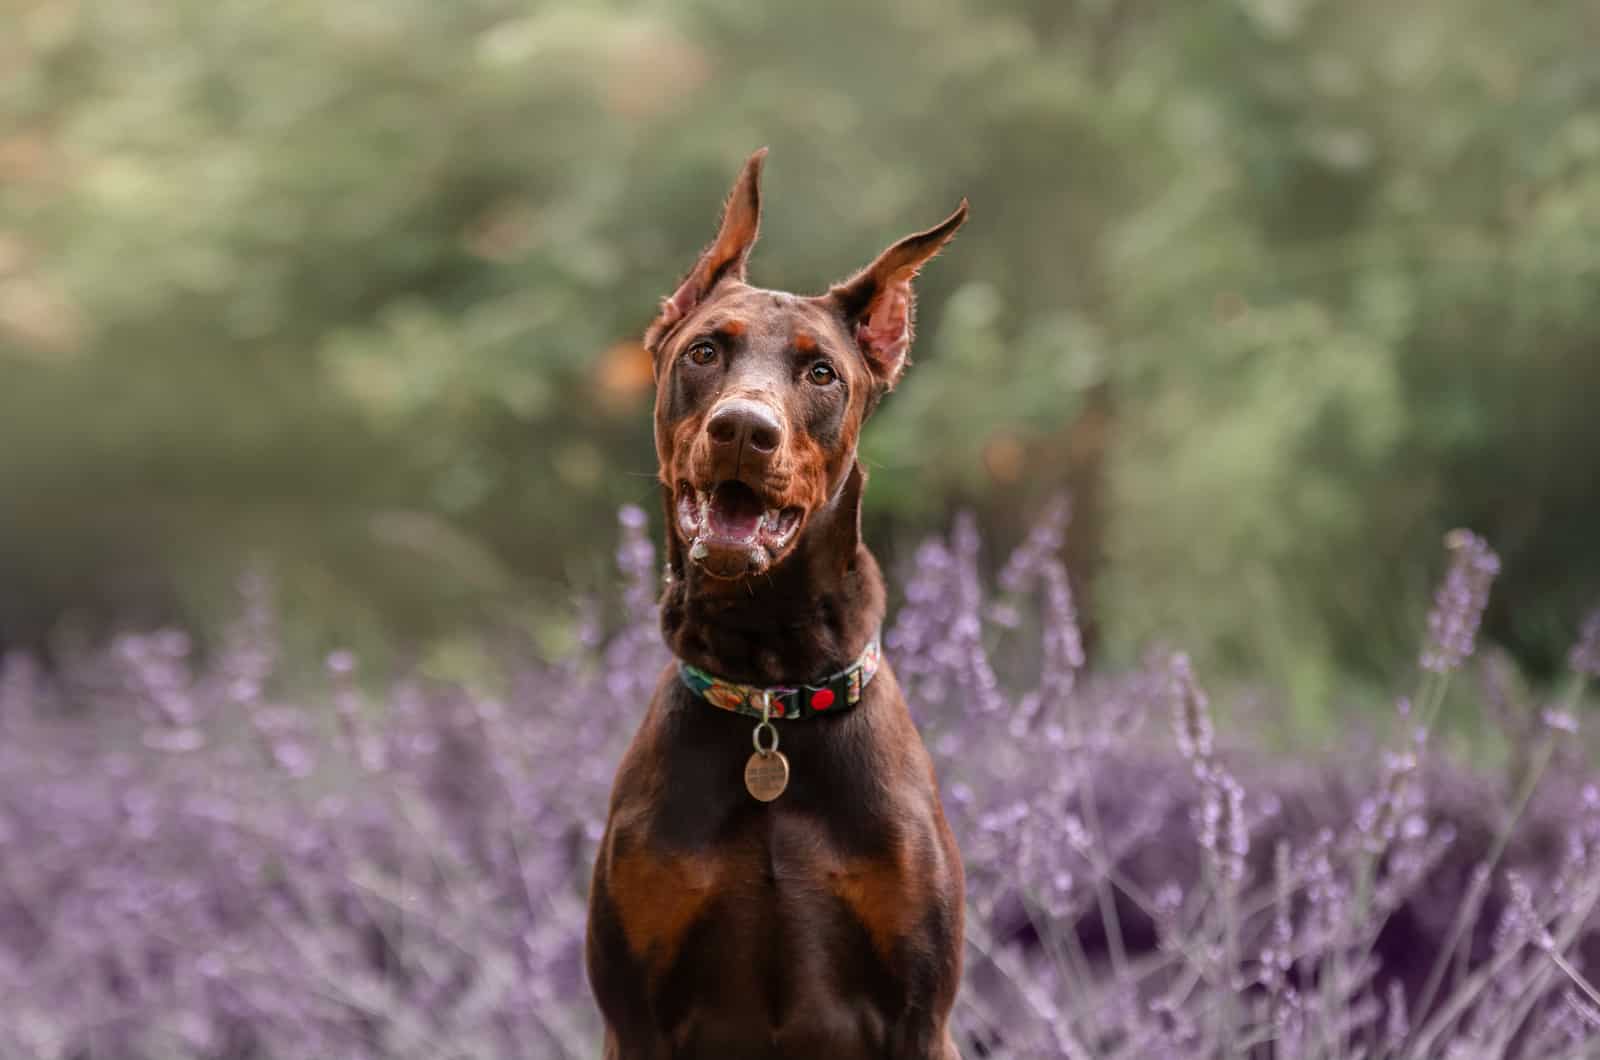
column 776, row 878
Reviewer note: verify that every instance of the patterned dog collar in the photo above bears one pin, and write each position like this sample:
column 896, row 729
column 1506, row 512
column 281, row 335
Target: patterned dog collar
column 831, row 695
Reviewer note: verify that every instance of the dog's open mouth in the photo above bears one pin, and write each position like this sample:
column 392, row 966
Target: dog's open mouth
column 730, row 530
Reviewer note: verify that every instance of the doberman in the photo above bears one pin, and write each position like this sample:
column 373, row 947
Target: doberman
column 804, row 902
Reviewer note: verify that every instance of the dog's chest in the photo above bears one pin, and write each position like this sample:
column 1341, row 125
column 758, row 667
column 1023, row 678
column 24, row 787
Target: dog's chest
column 772, row 881
column 779, row 933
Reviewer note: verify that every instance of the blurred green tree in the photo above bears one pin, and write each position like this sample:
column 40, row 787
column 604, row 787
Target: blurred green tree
column 1281, row 288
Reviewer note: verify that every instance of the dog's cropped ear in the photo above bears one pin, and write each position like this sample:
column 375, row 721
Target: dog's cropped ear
column 879, row 304
column 725, row 257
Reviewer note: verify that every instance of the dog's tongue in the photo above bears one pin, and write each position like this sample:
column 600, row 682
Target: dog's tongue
column 734, row 513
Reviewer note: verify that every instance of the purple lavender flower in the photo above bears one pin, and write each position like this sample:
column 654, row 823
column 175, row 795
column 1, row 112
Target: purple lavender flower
column 399, row 872
column 1585, row 656
column 1191, row 718
column 1224, row 835
column 1561, row 721
column 1041, row 547
column 1458, row 606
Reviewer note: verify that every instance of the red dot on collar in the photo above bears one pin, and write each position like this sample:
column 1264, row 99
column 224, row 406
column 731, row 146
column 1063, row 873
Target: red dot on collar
column 822, row 699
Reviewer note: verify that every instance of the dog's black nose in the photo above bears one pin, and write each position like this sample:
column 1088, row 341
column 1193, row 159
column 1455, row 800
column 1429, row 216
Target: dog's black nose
column 743, row 425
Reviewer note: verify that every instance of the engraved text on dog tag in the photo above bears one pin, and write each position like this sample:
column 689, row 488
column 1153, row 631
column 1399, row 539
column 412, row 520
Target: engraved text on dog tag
column 766, row 774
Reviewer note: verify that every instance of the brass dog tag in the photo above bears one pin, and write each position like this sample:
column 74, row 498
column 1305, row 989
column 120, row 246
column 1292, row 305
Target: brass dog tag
column 766, row 775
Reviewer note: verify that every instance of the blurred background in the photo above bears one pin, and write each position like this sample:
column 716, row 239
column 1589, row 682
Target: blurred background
column 1278, row 291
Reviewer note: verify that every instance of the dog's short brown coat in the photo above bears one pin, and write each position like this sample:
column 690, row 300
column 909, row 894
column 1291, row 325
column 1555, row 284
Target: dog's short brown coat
column 828, row 923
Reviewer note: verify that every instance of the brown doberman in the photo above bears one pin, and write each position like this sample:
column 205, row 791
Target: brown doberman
column 764, row 903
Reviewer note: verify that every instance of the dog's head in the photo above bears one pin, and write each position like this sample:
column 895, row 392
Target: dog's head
column 760, row 395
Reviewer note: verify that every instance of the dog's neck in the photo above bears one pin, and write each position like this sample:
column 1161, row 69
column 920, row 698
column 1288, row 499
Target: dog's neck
column 809, row 616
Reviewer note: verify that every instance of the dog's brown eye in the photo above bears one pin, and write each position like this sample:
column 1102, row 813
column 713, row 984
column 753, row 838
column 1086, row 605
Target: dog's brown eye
column 702, row 353
column 822, row 373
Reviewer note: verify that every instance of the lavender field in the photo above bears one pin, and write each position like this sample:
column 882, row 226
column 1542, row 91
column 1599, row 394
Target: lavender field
column 193, row 865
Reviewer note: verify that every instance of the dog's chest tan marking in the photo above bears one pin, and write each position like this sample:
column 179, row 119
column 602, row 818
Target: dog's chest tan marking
column 658, row 898
column 886, row 893
column 882, row 895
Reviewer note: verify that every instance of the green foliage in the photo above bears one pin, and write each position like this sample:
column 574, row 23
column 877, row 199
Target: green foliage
column 355, row 287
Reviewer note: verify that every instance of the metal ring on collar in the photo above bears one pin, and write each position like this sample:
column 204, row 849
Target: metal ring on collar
column 755, row 737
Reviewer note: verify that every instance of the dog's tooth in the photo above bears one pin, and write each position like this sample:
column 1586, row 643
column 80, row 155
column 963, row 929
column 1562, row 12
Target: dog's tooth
column 698, row 550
